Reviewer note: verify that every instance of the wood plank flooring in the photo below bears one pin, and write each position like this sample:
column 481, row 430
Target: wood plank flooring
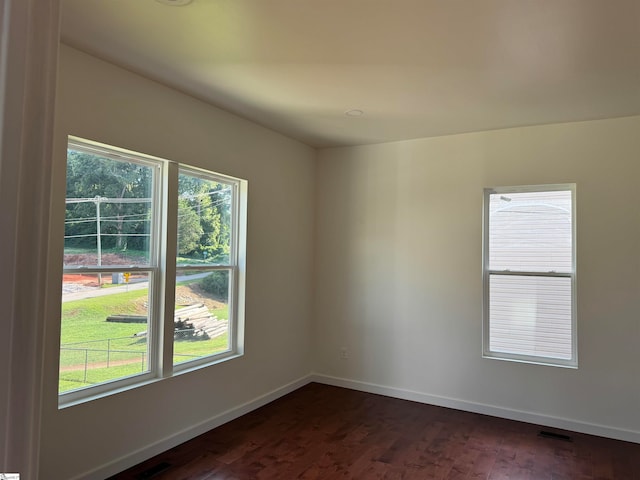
column 324, row 432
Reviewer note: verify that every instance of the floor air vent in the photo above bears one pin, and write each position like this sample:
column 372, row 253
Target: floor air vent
column 153, row 471
column 557, row 436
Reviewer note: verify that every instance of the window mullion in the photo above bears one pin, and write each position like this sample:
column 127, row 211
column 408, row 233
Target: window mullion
column 157, row 283
column 233, row 254
column 108, row 269
column 168, row 267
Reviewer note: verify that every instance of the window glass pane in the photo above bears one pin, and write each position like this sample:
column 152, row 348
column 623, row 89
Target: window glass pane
column 530, row 231
column 104, row 328
column 201, row 314
column 108, row 211
column 530, row 315
column 204, row 220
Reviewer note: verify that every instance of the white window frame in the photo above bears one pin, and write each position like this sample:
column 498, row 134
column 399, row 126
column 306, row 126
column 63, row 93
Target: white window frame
column 232, row 267
column 162, row 271
column 487, row 273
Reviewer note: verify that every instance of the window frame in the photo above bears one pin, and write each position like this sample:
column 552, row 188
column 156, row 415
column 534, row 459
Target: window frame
column 487, row 272
column 162, row 269
column 231, row 266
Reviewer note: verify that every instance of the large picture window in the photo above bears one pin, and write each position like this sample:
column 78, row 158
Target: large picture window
column 529, row 274
column 153, row 269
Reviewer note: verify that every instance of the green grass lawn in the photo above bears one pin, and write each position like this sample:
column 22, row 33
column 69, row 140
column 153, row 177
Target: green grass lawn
column 87, row 338
column 70, row 380
column 85, row 320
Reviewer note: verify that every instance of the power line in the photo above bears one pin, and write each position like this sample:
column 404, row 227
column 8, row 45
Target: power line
column 140, row 200
column 108, row 200
column 105, row 219
column 110, row 235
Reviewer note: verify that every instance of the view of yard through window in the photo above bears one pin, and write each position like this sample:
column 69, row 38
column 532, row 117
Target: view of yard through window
column 111, row 263
column 104, row 328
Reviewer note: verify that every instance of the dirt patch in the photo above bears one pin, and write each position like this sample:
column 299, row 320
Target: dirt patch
column 185, row 295
column 89, row 259
column 191, row 294
column 86, row 280
column 94, row 365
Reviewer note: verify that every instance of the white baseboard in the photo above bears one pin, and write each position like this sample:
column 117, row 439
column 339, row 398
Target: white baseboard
column 122, row 463
column 510, row 414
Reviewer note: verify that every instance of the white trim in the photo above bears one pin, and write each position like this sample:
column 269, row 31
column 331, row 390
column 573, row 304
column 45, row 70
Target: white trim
column 118, row 154
column 484, row 409
column 122, row 463
column 167, row 288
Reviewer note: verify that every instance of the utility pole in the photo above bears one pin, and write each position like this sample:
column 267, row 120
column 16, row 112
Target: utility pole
column 98, row 200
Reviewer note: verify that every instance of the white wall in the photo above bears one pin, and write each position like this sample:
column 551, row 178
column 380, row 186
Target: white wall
column 399, row 271
column 101, row 102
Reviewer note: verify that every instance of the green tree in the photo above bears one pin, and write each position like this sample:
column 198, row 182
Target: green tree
column 123, row 224
column 211, row 201
column 189, row 228
column 217, row 283
column 204, row 217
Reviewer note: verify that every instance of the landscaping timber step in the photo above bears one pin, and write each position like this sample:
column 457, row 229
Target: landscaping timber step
column 199, row 317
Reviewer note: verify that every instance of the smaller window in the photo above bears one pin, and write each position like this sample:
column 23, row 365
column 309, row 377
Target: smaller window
column 529, row 274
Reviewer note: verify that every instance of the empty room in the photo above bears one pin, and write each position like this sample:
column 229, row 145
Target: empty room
column 320, row 239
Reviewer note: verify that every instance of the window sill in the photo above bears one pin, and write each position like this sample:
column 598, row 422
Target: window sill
column 532, row 361
column 71, row 399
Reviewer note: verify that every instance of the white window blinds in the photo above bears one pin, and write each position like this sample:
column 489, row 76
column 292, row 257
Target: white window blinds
column 529, row 274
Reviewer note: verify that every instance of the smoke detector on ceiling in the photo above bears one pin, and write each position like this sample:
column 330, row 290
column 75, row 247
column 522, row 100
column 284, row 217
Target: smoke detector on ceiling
column 175, row 3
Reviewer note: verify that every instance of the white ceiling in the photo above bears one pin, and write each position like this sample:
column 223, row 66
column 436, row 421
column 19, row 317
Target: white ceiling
column 417, row 68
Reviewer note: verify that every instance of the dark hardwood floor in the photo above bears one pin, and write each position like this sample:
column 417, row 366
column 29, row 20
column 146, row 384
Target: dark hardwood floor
column 323, row 432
